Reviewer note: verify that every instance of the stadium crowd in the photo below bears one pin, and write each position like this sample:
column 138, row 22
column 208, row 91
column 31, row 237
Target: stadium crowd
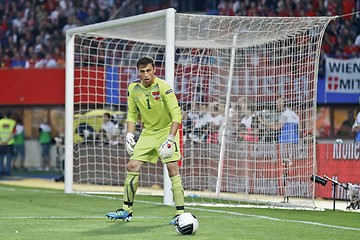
column 32, row 32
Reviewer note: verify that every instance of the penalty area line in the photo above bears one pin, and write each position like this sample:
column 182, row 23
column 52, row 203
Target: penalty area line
column 275, row 219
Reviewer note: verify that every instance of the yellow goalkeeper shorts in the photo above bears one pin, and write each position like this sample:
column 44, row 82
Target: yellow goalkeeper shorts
column 148, row 144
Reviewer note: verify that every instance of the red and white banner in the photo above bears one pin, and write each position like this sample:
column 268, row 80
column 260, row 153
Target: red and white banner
column 340, row 162
column 342, row 76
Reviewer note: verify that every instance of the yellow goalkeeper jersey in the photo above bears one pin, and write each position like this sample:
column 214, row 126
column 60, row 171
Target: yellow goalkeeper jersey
column 157, row 105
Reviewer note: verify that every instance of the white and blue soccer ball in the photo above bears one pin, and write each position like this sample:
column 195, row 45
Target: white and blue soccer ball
column 186, row 224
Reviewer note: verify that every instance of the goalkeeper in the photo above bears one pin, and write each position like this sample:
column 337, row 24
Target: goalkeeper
column 157, row 105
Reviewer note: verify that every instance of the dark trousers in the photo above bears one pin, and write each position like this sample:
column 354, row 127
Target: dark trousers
column 7, row 155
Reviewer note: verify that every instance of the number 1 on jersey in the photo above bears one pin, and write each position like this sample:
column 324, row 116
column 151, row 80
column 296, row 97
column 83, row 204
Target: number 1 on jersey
column 148, row 103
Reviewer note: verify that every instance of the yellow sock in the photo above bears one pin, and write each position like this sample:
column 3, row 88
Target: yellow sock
column 178, row 192
column 130, row 187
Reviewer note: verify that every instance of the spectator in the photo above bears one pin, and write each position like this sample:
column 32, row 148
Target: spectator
column 38, row 46
column 184, row 58
column 30, row 23
column 54, row 15
column 19, row 145
column 357, row 40
column 356, row 128
column 345, row 129
column 108, row 131
column 347, row 7
column 201, row 119
column 18, row 22
column 350, row 49
column 60, row 156
column 7, row 132
column 248, row 125
column 48, row 62
column 71, row 23
column 225, row 7
column 92, row 17
column 45, row 142
column 186, row 121
column 5, row 61
column 286, row 125
column 331, row 8
column 253, row 9
column 215, row 127
column 30, row 63
column 27, row 11
column 18, row 61
column 59, row 56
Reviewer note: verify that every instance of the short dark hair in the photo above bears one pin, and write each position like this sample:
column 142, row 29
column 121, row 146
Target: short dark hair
column 143, row 61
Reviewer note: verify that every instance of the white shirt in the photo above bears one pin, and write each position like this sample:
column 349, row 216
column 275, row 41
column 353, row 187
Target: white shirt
column 247, row 120
column 49, row 63
column 203, row 119
column 19, row 129
column 45, row 127
column 217, row 120
column 357, row 40
column 109, row 128
column 357, row 120
column 288, row 116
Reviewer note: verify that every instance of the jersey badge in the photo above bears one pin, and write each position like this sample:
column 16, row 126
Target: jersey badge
column 156, row 95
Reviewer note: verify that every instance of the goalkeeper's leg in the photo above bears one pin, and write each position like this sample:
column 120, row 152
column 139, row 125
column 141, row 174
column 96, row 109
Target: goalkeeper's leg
column 178, row 192
column 130, row 187
column 177, row 189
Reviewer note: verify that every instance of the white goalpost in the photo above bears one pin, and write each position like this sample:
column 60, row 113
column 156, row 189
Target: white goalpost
column 247, row 89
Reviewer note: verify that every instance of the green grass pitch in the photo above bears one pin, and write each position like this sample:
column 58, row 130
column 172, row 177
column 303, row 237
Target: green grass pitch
column 31, row 213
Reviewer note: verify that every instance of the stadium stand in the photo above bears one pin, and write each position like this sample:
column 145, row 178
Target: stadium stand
column 29, row 29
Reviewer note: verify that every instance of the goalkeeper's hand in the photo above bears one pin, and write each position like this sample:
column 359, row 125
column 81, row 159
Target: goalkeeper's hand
column 166, row 149
column 130, row 143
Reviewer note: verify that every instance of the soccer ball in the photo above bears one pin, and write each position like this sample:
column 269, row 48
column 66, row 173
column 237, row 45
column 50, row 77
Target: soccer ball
column 186, row 224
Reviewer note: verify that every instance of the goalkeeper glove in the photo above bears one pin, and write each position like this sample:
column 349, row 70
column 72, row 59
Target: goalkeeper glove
column 130, row 143
column 166, row 149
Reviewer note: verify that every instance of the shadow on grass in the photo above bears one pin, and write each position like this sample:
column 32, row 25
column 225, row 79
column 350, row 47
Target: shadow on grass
column 128, row 228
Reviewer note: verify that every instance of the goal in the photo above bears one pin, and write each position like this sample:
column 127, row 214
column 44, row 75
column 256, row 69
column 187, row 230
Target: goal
column 247, row 89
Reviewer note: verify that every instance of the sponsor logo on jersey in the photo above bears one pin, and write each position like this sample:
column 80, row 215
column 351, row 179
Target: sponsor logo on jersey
column 156, row 95
column 169, row 91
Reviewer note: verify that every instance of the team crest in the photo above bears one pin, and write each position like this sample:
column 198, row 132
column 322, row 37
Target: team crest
column 156, row 95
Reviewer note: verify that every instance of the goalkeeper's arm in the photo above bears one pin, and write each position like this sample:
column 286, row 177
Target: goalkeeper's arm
column 130, row 127
column 174, row 128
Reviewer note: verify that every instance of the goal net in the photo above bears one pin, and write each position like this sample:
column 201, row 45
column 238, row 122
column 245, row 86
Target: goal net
column 247, row 89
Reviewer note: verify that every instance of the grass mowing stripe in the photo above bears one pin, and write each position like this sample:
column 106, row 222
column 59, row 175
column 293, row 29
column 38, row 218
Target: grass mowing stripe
column 70, row 217
column 249, row 215
column 94, row 217
column 160, row 203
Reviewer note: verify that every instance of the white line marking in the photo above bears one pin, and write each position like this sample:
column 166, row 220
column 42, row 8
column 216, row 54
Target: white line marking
column 276, row 219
